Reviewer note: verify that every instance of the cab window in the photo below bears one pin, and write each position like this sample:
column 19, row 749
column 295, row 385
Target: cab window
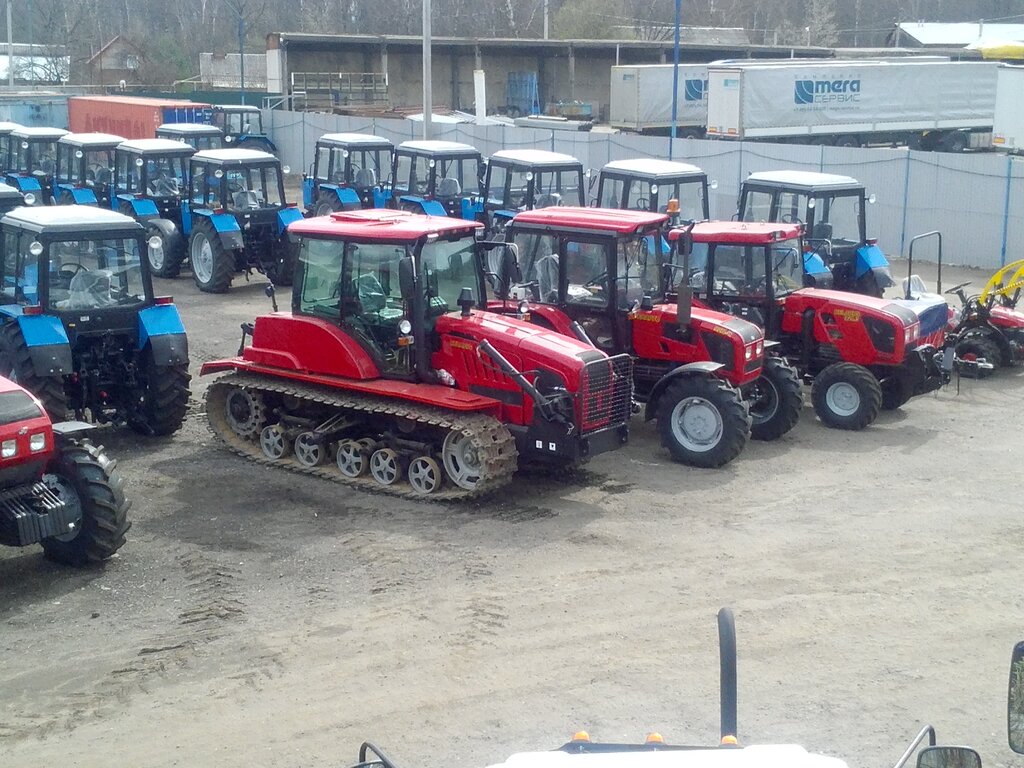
column 557, row 188
column 586, row 273
column 611, row 193
column 323, row 164
column 538, row 262
column 20, row 270
column 95, row 274
column 739, row 270
column 757, row 206
column 449, row 266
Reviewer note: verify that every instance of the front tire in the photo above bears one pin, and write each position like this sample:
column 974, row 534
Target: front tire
column 83, row 475
column 777, row 402
column 16, row 364
column 846, row 396
column 976, row 347
column 703, row 421
column 164, row 261
column 212, row 266
column 160, row 407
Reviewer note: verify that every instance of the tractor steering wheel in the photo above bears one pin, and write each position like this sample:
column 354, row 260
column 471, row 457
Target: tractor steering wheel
column 69, row 270
column 789, row 218
column 642, row 203
column 596, row 282
column 952, row 291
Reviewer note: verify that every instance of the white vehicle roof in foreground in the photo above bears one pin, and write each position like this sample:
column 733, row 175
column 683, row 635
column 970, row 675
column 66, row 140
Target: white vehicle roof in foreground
column 648, row 166
column 90, row 139
column 354, row 138
column 64, row 218
column 758, row 756
column 439, row 147
column 232, row 155
column 38, row 132
column 535, row 157
column 804, row 179
column 157, row 145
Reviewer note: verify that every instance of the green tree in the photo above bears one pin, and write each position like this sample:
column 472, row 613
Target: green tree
column 588, row 20
column 821, row 18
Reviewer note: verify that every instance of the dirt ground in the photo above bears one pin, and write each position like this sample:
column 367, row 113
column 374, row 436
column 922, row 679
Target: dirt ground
column 261, row 618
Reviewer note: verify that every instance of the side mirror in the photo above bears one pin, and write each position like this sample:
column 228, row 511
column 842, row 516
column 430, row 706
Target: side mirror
column 510, row 271
column 406, row 277
column 1015, row 700
column 948, row 757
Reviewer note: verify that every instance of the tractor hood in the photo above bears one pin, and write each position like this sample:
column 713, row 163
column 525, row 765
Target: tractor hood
column 764, row 756
column 931, row 311
column 816, row 298
column 1004, row 317
column 709, row 319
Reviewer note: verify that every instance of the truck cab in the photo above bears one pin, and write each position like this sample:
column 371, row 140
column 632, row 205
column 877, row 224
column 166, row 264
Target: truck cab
column 439, row 178
column 199, row 136
column 524, row 179
column 85, row 169
column 33, row 162
column 350, row 171
column 832, row 210
column 242, row 127
column 647, row 184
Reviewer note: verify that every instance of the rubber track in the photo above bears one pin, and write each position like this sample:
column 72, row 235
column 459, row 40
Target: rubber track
column 493, row 439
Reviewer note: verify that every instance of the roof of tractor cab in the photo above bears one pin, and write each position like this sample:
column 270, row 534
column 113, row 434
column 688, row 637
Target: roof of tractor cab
column 9, row 192
column 438, row 148
column 68, row 218
column 36, row 132
column 191, row 129
column 91, row 139
column 755, row 756
column 233, row 156
column 154, row 146
column 740, row 232
column 648, row 167
column 804, row 180
column 611, row 220
column 534, row 157
column 385, row 226
column 6, row 128
column 348, row 139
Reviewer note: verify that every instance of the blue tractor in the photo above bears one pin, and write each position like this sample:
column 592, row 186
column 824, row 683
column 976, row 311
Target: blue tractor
column 439, row 178
column 525, row 179
column 85, row 169
column 6, row 151
column 33, row 162
column 80, row 327
column 350, row 171
column 199, row 136
column 235, row 217
column 150, row 177
column 242, row 127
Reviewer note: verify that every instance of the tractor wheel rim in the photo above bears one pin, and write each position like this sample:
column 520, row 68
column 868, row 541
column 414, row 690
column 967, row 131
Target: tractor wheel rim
column 307, row 451
column 156, row 256
column 65, row 491
column 843, row 398
column 461, row 461
column 244, row 412
column 765, row 402
column 424, row 475
column 202, row 258
column 696, row 424
column 384, row 466
column 352, row 458
column 324, row 209
column 272, row 442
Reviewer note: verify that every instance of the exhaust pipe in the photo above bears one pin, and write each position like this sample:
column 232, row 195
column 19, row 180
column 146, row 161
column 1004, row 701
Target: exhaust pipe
column 727, row 662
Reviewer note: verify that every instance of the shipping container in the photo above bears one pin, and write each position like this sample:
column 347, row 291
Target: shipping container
column 641, row 98
column 925, row 103
column 131, row 117
column 1008, row 128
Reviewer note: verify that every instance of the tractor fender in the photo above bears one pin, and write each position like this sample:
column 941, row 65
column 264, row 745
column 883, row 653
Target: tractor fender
column 348, row 198
column 25, row 184
column 263, row 143
column 381, row 197
column 142, row 208
column 161, row 328
column 226, row 227
column 171, row 234
column 989, row 331
column 81, row 195
column 429, row 207
column 47, row 342
column 870, row 258
column 287, row 216
column 688, row 371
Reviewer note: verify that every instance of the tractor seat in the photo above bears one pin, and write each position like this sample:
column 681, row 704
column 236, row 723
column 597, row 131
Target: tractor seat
column 365, row 178
column 821, row 231
column 548, row 201
column 245, row 200
column 449, row 187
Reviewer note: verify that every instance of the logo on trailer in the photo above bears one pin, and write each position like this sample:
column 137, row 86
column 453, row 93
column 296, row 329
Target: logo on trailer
column 696, row 90
column 826, row 92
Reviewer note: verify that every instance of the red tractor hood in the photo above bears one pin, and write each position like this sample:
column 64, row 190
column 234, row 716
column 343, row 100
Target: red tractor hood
column 1004, row 317
column 703, row 317
column 817, row 298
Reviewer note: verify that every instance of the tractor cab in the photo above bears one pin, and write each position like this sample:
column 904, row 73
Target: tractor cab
column 6, row 145
column 524, row 179
column 647, row 184
column 33, row 162
column 439, row 178
column 832, row 210
column 199, row 136
column 350, row 171
column 242, row 127
column 10, row 198
column 85, row 169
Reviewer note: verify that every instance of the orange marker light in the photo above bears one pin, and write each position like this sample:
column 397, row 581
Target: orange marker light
column 673, row 206
column 581, row 736
column 730, row 741
column 655, row 738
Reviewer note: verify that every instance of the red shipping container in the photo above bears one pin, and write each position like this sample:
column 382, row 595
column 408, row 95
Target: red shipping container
column 130, row 116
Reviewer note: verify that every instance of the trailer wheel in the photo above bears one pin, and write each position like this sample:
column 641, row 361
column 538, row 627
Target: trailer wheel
column 846, row 396
column 212, row 266
column 16, row 364
column 161, row 403
column 703, row 421
column 955, row 141
column 976, row 347
column 847, row 140
column 83, row 477
column 777, row 400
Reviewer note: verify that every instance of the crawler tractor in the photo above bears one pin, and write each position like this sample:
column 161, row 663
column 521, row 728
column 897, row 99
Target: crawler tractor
column 350, row 171
column 85, row 169
column 386, row 369
column 524, row 179
column 56, row 489
column 79, row 325
column 860, row 353
column 199, row 136
column 597, row 274
column 33, row 161
column 439, row 178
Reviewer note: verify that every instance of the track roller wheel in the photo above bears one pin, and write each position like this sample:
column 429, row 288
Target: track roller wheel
column 245, row 412
column 353, row 458
column 309, row 451
column 424, row 475
column 384, row 466
column 462, row 460
column 274, row 443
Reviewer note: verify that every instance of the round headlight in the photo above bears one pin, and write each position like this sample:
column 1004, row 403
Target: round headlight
column 228, row 139
column 529, row 175
column 286, row 169
column 654, row 189
column 714, row 184
column 218, row 174
column 811, row 203
column 36, row 248
column 139, row 161
column 872, row 198
column 24, row 145
column 524, row 307
column 404, row 327
column 155, row 242
column 79, row 154
column 30, row 199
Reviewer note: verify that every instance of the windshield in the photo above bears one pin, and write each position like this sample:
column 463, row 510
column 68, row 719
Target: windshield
column 456, row 177
column 253, row 188
column 99, row 166
column 500, row 176
column 37, row 157
column 206, row 142
column 448, row 267
column 557, row 188
column 638, row 268
column 837, row 218
column 95, row 274
column 165, row 175
column 368, row 167
column 787, row 267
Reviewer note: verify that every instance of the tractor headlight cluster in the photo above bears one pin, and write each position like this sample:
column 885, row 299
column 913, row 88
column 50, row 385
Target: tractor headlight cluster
column 750, row 350
column 8, row 448
column 37, row 442
column 760, row 348
column 911, row 333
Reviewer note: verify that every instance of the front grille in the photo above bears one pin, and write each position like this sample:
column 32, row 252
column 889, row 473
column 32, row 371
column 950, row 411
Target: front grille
column 720, row 349
column 753, row 364
column 606, row 393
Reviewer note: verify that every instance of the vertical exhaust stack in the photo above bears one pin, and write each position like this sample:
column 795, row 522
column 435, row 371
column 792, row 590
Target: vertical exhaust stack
column 727, row 661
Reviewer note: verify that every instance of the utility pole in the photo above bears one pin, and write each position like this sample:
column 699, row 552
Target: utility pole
column 241, row 54
column 675, row 78
column 545, row 19
column 10, row 47
column 428, row 105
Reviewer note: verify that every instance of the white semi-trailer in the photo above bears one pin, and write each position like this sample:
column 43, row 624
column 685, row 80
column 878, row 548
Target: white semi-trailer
column 925, row 104
column 1008, row 128
column 641, row 99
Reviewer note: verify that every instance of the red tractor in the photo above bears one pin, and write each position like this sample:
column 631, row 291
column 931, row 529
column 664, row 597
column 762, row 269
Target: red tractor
column 861, row 354
column 374, row 371
column 599, row 274
column 56, row 490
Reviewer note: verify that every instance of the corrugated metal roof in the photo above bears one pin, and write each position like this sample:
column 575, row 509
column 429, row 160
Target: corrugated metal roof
column 960, row 33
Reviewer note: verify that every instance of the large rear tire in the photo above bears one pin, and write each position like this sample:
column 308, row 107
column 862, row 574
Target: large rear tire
column 162, row 404
column 81, row 474
column 212, row 266
column 846, row 396
column 16, row 364
column 164, row 261
column 777, row 400
column 703, row 421
column 326, row 203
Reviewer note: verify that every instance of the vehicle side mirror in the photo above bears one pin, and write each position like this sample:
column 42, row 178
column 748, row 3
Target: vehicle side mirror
column 406, row 277
column 510, row 271
column 1015, row 700
column 948, row 757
